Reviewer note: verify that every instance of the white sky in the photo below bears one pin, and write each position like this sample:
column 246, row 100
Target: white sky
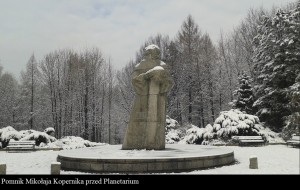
column 117, row 27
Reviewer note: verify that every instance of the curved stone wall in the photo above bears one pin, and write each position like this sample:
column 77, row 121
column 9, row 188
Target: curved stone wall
column 176, row 158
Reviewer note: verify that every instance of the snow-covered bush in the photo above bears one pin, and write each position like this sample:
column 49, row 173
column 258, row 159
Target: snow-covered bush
column 171, row 124
column 173, row 131
column 42, row 139
column 173, row 136
column 196, row 135
column 38, row 137
column 236, row 123
column 8, row 133
column 270, row 136
column 229, row 124
column 50, row 131
column 71, row 142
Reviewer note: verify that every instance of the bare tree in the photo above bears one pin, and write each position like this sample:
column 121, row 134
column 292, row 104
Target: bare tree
column 8, row 99
column 31, row 87
column 187, row 42
column 110, row 97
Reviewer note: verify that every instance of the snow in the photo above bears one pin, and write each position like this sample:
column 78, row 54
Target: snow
column 42, row 139
column 196, row 135
column 226, row 123
column 10, row 135
column 9, row 132
column 157, row 68
column 271, row 136
column 258, row 102
column 39, row 137
column 162, row 63
column 216, row 127
column 265, row 111
column 173, row 134
column 152, row 46
column 49, row 130
column 137, row 65
column 172, row 137
column 291, row 41
column 272, row 159
column 38, row 162
column 193, row 135
column 5, row 129
column 71, row 142
column 229, row 123
column 220, row 119
column 171, row 123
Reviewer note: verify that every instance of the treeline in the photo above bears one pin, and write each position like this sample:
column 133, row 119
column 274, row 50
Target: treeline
column 80, row 93
column 205, row 73
column 263, row 50
column 73, row 92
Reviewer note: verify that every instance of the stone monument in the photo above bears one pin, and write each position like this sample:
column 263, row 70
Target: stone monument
column 151, row 81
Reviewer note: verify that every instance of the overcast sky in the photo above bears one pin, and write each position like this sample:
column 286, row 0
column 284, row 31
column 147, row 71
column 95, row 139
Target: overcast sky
column 117, row 27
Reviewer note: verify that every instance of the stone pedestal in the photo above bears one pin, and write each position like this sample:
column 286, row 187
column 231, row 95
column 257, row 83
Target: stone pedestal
column 151, row 81
column 2, row 169
column 253, row 162
column 55, row 168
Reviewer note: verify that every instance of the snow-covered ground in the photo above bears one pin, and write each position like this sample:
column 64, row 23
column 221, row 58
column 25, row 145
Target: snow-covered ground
column 272, row 159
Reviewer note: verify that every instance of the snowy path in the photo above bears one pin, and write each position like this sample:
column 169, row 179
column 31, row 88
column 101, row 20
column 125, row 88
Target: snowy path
column 276, row 159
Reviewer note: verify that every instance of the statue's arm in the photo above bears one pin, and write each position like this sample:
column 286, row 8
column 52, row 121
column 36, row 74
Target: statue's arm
column 139, row 83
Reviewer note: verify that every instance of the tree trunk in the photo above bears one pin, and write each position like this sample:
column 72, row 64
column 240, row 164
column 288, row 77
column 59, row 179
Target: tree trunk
column 85, row 107
column 32, row 97
column 102, row 112
column 202, row 110
column 212, row 102
column 190, row 105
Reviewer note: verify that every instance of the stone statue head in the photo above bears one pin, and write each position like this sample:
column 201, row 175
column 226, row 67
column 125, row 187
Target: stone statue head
column 152, row 52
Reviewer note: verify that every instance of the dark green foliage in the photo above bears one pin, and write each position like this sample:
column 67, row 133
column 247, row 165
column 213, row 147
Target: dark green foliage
column 244, row 94
column 293, row 124
column 276, row 59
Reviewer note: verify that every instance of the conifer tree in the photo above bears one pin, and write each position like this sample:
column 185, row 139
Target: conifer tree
column 244, row 94
column 276, row 59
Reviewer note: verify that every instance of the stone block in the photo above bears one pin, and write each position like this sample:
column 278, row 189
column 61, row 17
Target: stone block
column 170, row 166
column 110, row 167
column 197, row 164
column 55, row 168
column 65, row 165
column 208, row 163
column 2, row 169
column 185, row 165
column 253, row 162
column 217, row 161
column 85, row 166
column 154, row 167
column 73, row 164
column 140, row 167
column 97, row 167
column 125, row 168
